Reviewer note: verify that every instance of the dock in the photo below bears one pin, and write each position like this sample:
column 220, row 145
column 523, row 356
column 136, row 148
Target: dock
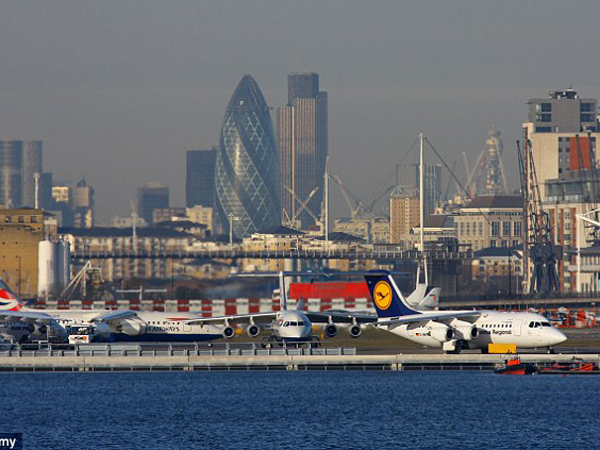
column 111, row 358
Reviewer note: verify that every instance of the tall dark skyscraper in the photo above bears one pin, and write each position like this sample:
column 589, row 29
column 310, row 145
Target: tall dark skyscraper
column 32, row 164
column 151, row 197
column 247, row 168
column 303, row 148
column 11, row 160
column 200, row 177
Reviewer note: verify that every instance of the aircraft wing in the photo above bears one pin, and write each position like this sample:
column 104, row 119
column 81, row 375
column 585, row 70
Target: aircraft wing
column 438, row 316
column 339, row 317
column 114, row 315
column 26, row 316
column 255, row 317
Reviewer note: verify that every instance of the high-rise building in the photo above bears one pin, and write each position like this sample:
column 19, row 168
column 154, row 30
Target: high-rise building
column 11, row 157
column 303, row 148
column 150, row 197
column 404, row 213
column 200, row 177
column 46, row 183
column 432, row 186
column 32, row 164
column 247, row 169
column 83, row 214
column 563, row 112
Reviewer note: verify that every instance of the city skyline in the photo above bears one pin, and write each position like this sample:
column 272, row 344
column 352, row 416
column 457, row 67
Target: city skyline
column 120, row 104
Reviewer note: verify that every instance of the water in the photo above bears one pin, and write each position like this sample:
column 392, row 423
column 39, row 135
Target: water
column 300, row 410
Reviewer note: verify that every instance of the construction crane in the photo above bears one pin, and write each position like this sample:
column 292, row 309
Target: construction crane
column 538, row 239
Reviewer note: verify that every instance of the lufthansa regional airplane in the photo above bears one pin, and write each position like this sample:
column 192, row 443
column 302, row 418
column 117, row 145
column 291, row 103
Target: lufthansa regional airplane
column 456, row 330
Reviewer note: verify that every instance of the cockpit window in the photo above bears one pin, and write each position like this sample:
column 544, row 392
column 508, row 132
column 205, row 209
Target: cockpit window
column 286, row 324
column 300, row 324
column 293, row 324
column 546, row 324
column 531, row 324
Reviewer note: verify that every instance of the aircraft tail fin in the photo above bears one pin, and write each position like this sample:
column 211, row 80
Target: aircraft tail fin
column 424, row 298
column 386, row 296
column 8, row 299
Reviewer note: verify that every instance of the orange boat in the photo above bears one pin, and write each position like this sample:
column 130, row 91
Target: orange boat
column 575, row 367
column 516, row 367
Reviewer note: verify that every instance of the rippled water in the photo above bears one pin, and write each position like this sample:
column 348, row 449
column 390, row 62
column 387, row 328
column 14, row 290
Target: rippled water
column 291, row 410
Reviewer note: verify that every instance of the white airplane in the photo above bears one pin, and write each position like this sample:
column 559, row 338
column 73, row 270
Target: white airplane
column 19, row 323
column 456, row 330
column 19, row 326
column 137, row 326
column 287, row 325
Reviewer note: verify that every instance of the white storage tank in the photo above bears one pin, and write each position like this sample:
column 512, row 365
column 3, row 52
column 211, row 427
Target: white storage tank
column 63, row 266
column 47, row 259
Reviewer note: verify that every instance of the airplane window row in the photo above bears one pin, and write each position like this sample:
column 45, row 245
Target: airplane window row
column 502, row 325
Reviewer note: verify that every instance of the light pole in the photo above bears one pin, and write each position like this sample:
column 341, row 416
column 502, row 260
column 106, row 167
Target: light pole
column 231, row 219
column 19, row 285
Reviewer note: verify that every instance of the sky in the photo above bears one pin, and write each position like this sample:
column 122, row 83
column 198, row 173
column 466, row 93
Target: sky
column 118, row 90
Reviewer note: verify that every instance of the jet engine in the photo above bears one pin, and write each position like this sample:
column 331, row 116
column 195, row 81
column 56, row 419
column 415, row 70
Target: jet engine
column 132, row 326
column 355, row 331
column 253, row 330
column 464, row 330
column 228, row 332
column 331, row 330
column 441, row 332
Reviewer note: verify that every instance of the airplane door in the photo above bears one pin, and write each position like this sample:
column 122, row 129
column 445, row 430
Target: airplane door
column 517, row 327
column 186, row 327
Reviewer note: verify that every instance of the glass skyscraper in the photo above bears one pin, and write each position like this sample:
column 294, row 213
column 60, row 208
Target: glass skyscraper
column 247, row 167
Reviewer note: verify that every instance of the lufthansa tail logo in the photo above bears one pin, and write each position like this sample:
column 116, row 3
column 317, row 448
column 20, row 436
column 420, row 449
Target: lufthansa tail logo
column 382, row 295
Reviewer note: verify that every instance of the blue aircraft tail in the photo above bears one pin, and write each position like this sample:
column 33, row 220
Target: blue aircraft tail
column 386, row 296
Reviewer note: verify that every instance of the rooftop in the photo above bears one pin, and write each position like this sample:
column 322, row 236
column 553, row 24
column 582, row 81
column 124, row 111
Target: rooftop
column 496, row 201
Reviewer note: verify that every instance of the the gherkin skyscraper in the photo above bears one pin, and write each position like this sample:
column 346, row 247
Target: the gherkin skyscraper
column 247, row 168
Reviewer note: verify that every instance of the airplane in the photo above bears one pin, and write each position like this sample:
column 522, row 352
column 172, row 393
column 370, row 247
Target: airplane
column 136, row 326
column 19, row 326
column 454, row 331
column 289, row 326
column 20, row 323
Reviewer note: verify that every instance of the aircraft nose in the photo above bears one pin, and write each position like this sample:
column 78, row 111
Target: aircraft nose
column 558, row 337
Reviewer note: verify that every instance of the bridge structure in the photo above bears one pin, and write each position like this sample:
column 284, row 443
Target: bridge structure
column 390, row 256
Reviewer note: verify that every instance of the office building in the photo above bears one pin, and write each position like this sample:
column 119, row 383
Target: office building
column 83, row 213
column 11, row 157
column 31, row 164
column 200, row 177
column 247, row 168
column 150, row 197
column 303, row 148
column 404, row 213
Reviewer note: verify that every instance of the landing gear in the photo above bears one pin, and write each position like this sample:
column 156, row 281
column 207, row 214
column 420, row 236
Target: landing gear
column 266, row 342
column 315, row 342
column 550, row 351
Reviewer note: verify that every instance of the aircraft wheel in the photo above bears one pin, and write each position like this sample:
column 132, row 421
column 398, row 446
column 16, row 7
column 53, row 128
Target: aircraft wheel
column 550, row 351
column 266, row 342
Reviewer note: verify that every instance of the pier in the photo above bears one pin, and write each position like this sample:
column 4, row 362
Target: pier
column 109, row 358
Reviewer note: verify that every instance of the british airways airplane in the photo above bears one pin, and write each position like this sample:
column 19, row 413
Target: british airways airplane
column 456, row 330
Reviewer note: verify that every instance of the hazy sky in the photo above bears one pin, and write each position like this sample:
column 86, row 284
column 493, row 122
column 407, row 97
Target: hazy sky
column 119, row 89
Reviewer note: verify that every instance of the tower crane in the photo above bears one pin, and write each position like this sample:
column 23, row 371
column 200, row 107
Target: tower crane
column 538, row 240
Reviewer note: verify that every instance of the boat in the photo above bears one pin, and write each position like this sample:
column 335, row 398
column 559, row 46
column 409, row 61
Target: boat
column 516, row 367
column 576, row 367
